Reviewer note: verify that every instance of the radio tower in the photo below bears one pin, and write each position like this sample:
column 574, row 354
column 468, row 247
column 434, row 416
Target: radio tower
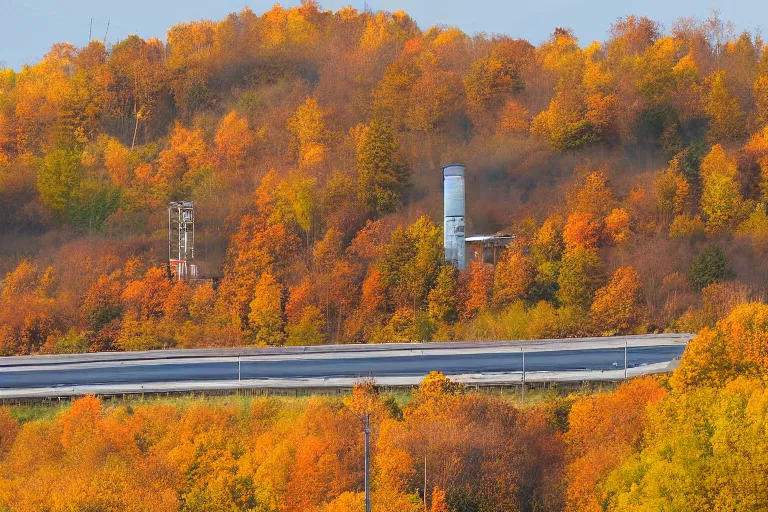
column 181, row 239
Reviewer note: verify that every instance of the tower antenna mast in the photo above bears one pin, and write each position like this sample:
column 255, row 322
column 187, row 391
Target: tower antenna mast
column 181, row 239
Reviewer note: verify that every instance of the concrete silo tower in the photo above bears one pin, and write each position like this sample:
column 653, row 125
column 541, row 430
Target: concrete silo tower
column 453, row 211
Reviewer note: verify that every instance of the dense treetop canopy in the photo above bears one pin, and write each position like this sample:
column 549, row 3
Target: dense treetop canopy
column 632, row 172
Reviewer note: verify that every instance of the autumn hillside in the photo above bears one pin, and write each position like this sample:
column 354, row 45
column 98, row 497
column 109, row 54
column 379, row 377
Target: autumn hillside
column 633, row 172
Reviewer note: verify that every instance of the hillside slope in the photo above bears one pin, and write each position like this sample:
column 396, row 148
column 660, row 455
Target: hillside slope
column 633, row 173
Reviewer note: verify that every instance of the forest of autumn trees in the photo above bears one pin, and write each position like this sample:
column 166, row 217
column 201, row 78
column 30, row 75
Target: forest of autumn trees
column 695, row 440
column 633, row 174
column 272, row 454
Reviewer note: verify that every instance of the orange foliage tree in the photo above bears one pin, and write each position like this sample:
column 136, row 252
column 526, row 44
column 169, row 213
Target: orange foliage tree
column 479, row 288
column 513, row 276
column 582, row 231
column 617, row 307
column 602, row 431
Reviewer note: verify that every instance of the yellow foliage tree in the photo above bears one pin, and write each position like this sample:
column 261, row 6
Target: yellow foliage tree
column 721, row 199
column 266, row 311
column 308, row 127
column 735, row 347
column 724, row 112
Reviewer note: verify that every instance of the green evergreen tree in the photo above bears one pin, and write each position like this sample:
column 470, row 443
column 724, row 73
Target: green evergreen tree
column 709, row 266
column 381, row 179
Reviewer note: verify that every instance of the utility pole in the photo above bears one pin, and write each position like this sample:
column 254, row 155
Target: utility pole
column 238, row 369
column 136, row 128
column 367, row 430
column 366, row 420
column 625, row 359
column 522, row 389
column 425, row 482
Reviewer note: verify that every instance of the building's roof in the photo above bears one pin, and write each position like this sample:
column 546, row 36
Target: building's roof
column 455, row 169
column 489, row 238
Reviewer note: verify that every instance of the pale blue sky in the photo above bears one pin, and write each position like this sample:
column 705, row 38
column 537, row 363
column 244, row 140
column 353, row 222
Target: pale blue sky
column 29, row 28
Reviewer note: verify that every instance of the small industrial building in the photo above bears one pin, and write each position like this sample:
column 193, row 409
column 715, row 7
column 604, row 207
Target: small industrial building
column 487, row 247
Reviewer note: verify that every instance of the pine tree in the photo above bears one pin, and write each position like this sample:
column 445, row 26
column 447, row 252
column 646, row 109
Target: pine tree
column 709, row 266
column 381, row 179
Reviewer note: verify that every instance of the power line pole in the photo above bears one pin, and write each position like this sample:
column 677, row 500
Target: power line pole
column 425, row 482
column 136, row 127
column 625, row 359
column 367, row 429
column 522, row 389
column 366, row 419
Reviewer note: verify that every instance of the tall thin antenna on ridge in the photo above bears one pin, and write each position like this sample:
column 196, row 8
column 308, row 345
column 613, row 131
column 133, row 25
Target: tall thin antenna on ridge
column 90, row 30
column 105, row 34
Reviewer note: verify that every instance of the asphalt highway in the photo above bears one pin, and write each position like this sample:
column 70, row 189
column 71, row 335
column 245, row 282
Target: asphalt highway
column 399, row 361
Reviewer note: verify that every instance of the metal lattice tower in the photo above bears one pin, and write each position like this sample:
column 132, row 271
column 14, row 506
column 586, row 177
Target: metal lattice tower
column 181, row 239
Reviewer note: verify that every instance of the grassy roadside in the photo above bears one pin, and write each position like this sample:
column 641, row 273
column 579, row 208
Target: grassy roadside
column 534, row 396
